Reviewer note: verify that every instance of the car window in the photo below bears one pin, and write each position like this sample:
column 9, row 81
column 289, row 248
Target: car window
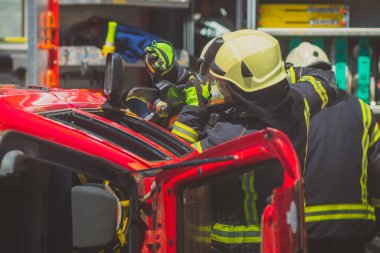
column 219, row 213
column 109, row 133
column 151, row 132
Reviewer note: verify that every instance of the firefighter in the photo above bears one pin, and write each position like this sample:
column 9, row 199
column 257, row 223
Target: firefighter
column 247, row 66
column 343, row 140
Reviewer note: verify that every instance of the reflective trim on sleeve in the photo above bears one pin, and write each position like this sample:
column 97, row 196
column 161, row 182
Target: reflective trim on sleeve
column 235, row 234
column 339, row 212
column 250, row 197
column 376, row 202
column 318, row 87
column 197, row 146
column 293, row 79
column 366, row 113
column 375, row 135
column 185, row 132
column 307, row 120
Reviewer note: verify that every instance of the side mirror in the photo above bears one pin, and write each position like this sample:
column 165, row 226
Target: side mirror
column 115, row 80
column 94, row 216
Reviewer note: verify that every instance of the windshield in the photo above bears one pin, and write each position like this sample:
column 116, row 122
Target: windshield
column 83, row 120
column 223, row 214
column 109, row 133
column 149, row 131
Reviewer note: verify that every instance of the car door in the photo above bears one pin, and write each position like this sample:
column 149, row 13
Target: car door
column 191, row 200
column 46, row 208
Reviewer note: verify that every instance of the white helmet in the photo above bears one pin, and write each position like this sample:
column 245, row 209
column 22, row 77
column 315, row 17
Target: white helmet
column 308, row 55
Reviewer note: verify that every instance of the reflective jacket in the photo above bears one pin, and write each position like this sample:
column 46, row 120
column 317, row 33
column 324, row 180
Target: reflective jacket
column 343, row 140
column 313, row 90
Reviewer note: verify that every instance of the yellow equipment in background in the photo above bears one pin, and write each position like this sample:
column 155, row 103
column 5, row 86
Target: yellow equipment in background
column 303, row 15
column 109, row 46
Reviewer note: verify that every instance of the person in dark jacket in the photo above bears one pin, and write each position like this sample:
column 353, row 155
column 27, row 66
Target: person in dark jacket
column 248, row 68
column 343, row 140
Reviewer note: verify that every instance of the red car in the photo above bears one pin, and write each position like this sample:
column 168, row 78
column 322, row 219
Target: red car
column 75, row 175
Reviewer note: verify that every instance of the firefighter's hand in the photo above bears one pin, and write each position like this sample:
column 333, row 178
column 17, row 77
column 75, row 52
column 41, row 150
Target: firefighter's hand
column 159, row 58
column 198, row 92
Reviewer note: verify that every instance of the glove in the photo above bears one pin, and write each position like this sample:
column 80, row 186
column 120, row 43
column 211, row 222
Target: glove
column 159, row 58
column 198, row 92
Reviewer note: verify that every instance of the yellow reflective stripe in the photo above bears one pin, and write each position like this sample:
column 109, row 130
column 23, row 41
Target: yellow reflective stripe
column 183, row 136
column 338, row 207
column 339, row 212
column 376, row 202
column 250, row 209
column 184, row 127
column 121, row 237
column 365, row 144
column 318, row 87
column 236, row 234
column 306, row 113
column 203, row 239
column 292, row 76
column 235, row 228
column 197, row 146
column 124, row 203
column 329, row 217
column 235, row 240
column 375, row 135
column 202, row 234
column 204, row 228
column 185, row 132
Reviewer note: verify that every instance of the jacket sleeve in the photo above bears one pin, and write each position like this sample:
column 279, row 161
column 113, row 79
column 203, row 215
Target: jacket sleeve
column 177, row 75
column 373, row 156
column 190, row 122
column 318, row 87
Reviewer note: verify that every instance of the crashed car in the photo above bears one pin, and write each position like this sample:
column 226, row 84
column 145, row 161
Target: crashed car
column 79, row 174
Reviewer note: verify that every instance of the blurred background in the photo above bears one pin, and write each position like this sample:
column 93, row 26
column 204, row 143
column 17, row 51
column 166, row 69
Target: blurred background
column 61, row 43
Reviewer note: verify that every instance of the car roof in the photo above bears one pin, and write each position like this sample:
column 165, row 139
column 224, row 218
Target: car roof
column 40, row 99
column 21, row 109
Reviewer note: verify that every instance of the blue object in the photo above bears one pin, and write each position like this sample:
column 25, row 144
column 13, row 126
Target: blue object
column 130, row 42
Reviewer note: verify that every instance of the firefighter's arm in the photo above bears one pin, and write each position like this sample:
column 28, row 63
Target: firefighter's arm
column 220, row 133
column 373, row 154
column 193, row 115
column 317, row 86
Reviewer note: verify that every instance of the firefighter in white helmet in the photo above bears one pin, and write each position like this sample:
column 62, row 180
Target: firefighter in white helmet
column 343, row 141
column 248, row 67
